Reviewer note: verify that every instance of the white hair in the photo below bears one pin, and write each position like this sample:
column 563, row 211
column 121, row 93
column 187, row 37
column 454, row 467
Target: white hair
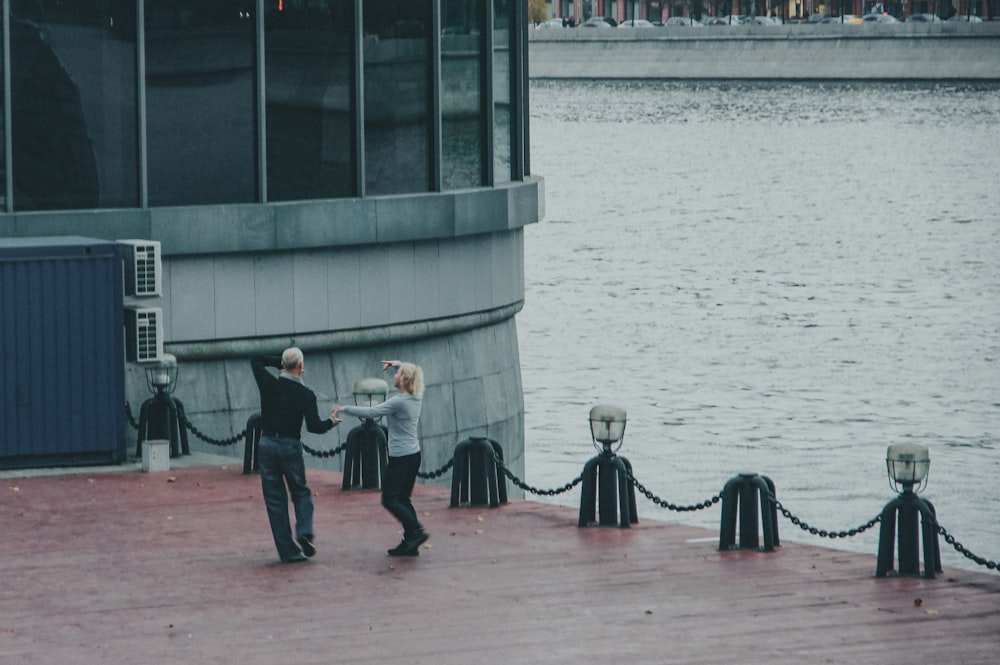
column 291, row 358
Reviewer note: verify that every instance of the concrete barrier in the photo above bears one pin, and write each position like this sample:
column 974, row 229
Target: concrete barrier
column 940, row 51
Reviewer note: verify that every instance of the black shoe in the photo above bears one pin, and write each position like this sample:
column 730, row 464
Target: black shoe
column 404, row 549
column 306, row 543
column 417, row 539
column 296, row 558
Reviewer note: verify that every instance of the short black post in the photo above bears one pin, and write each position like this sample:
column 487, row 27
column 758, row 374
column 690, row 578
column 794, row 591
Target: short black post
column 161, row 417
column 365, row 456
column 915, row 515
column 251, row 445
column 477, row 477
column 740, row 499
column 607, row 479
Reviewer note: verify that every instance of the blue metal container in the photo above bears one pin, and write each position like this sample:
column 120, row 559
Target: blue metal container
column 62, row 339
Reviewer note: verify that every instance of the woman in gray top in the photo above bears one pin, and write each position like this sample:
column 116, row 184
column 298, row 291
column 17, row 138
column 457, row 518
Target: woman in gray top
column 402, row 412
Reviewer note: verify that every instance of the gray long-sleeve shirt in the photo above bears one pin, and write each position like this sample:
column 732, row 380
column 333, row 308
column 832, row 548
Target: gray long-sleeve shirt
column 403, row 414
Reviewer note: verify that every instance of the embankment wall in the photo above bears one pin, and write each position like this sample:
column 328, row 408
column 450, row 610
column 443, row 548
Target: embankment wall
column 947, row 51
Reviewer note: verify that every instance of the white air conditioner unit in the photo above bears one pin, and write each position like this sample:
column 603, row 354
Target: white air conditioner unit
column 143, row 267
column 143, row 334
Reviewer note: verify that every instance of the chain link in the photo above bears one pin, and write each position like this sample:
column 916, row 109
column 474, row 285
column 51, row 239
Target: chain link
column 324, row 453
column 821, row 532
column 131, row 418
column 666, row 504
column 534, row 490
column 204, row 437
column 950, row 539
column 437, row 474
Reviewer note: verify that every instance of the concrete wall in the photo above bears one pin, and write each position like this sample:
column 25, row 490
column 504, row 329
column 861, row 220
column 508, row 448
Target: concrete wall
column 952, row 51
column 433, row 278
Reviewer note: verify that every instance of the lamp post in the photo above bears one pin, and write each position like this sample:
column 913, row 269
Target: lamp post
column 161, row 416
column 908, row 465
column 365, row 455
column 607, row 472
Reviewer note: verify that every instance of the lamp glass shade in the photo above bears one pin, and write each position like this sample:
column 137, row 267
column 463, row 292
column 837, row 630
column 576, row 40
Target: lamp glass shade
column 907, row 463
column 370, row 391
column 607, row 423
column 161, row 376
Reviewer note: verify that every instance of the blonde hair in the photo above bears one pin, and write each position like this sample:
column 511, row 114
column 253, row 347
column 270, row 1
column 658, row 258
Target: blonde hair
column 411, row 379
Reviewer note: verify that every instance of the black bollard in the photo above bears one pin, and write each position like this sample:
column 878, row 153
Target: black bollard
column 365, row 456
column 477, row 478
column 607, row 478
column 910, row 509
column 739, row 499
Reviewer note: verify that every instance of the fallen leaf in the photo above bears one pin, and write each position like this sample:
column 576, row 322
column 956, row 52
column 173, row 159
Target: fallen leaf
column 479, row 532
column 171, row 479
column 480, row 518
column 15, row 488
column 649, row 611
column 917, row 602
column 932, row 613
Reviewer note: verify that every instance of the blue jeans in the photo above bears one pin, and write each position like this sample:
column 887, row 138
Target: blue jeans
column 281, row 463
column 397, row 486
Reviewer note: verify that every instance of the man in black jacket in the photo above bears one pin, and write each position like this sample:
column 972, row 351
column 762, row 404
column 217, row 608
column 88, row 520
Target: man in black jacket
column 284, row 402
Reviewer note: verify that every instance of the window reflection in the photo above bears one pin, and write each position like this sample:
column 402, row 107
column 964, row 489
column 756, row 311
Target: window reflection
column 200, row 101
column 73, row 104
column 462, row 126
column 397, row 70
column 310, row 110
column 501, row 91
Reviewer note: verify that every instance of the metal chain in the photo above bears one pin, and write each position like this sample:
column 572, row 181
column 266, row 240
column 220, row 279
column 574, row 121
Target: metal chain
column 131, row 418
column 666, row 504
column 324, row 453
column 950, row 539
column 436, row 474
column 821, row 532
column 207, row 439
column 534, row 490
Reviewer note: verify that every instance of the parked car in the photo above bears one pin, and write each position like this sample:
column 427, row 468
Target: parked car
column 759, row 20
column 962, row 18
column 817, row 18
column 846, row 19
column 879, row 18
column 720, row 20
column 636, row 23
column 683, row 22
column 923, row 18
column 551, row 24
column 599, row 22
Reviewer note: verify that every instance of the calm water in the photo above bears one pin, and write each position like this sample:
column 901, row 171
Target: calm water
column 779, row 278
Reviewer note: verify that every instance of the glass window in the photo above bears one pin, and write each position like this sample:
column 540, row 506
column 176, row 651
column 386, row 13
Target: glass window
column 200, row 101
column 502, row 134
column 461, row 93
column 397, row 93
column 310, row 102
column 73, row 104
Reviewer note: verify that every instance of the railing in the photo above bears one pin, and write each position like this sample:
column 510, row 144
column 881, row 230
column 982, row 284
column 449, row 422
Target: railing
column 252, row 436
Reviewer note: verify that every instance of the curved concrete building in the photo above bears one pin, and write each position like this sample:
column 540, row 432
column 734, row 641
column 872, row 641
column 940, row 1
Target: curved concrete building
column 348, row 176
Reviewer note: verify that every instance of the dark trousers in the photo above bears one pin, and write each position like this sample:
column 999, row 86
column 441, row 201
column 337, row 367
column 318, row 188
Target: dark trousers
column 283, row 473
column 397, row 486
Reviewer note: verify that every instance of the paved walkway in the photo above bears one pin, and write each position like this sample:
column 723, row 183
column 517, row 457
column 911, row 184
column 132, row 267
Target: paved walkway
column 178, row 567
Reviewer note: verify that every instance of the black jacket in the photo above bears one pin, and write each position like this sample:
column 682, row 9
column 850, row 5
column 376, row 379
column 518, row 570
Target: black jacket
column 284, row 403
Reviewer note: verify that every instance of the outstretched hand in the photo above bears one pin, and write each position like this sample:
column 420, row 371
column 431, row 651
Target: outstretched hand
column 386, row 364
column 334, row 410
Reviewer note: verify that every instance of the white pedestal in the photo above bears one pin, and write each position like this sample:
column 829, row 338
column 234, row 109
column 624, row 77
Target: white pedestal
column 155, row 456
